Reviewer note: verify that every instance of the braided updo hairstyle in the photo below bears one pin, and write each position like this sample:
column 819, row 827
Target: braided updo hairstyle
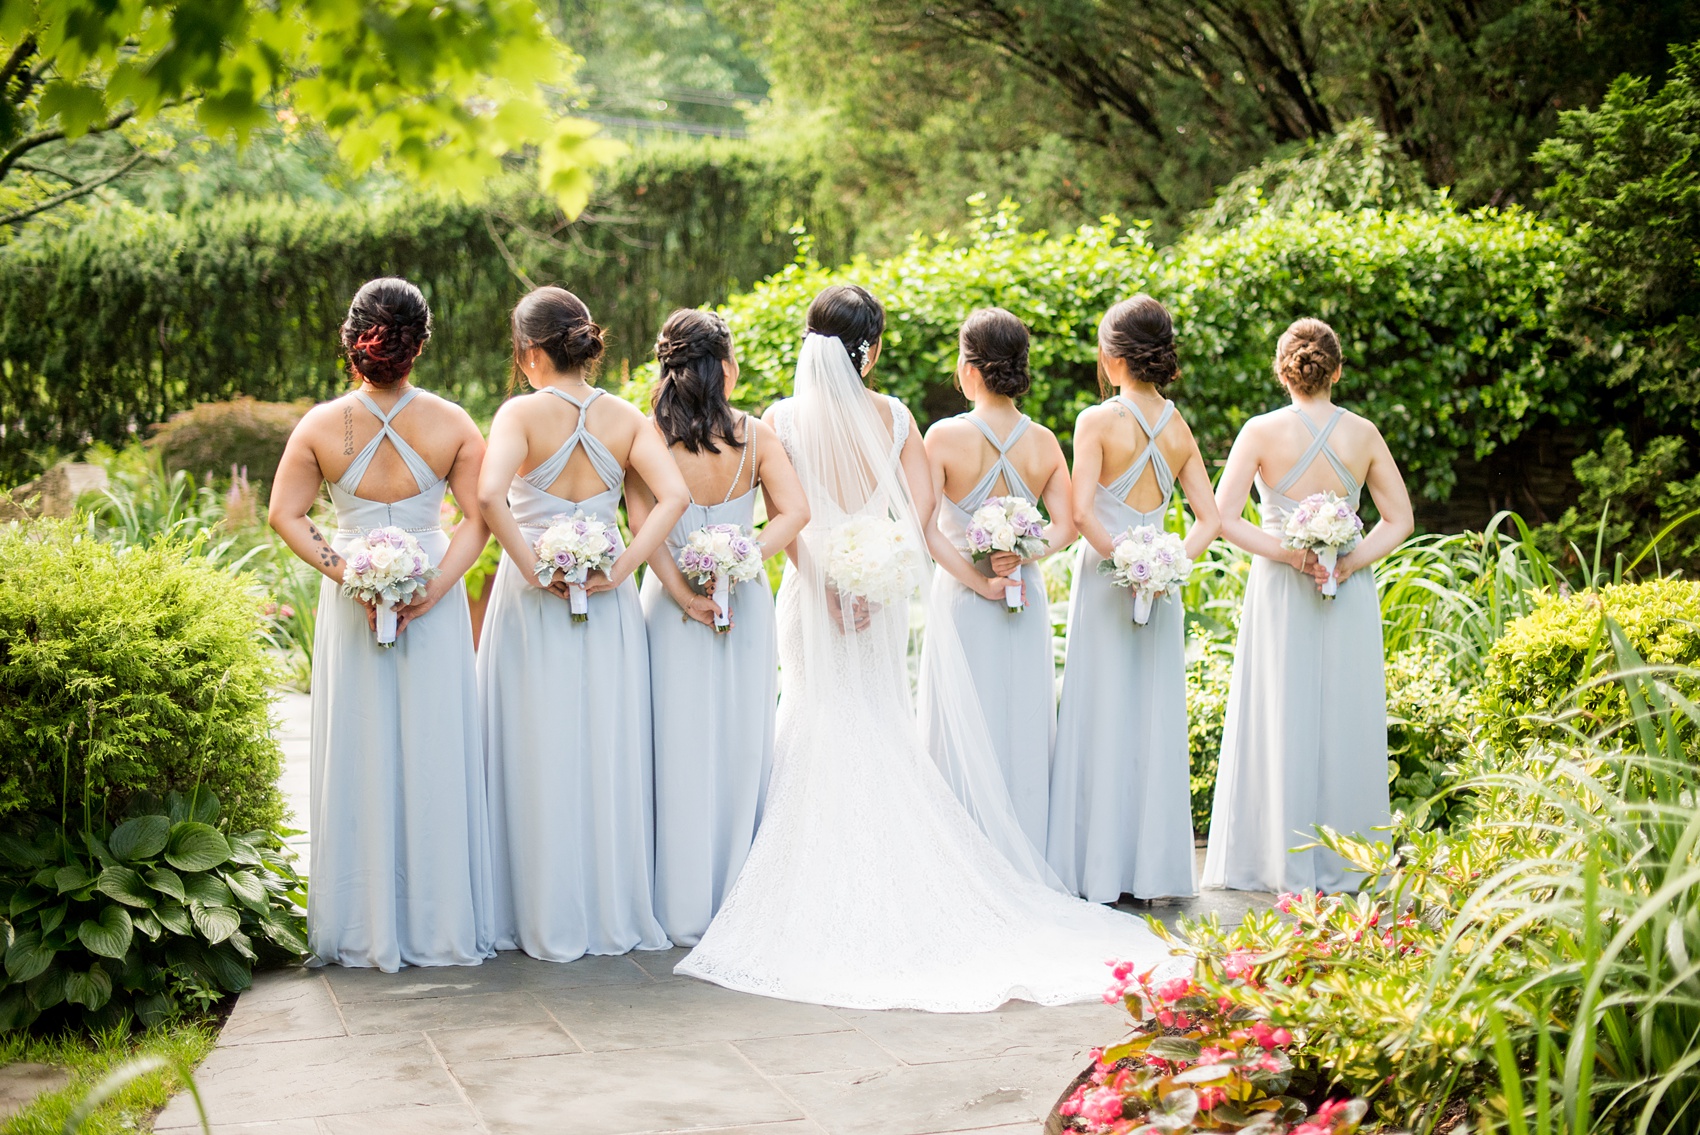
column 995, row 343
column 1307, row 356
column 555, row 321
column 1139, row 331
column 850, row 314
column 690, row 398
column 387, row 325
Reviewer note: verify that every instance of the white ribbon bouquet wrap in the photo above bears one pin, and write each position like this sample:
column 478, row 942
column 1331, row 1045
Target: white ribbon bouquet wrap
column 575, row 546
column 1324, row 523
column 717, row 556
column 388, row 569
column 1148, row 561
column 1007, row 524
column 872, row 558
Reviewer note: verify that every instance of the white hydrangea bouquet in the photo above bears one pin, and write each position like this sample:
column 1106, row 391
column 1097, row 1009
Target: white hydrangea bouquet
column 1148, row 561
column 388, row 569
column 1007, row 524
column 717, row 556
column 873, row 558
column 1324, row 523
column 575, row 546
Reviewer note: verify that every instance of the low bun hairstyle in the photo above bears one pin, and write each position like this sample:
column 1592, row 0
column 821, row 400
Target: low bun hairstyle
column 995, row 343
column 850, row 314
column 387, row 325
column 555, row 321
column 690, row 397
column 1139, row 331
column 1307, row 356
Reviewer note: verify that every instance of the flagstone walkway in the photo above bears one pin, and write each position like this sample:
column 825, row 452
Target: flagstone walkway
column 619, row 1046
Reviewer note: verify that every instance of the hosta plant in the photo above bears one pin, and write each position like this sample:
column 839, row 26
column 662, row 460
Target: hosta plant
column 161, row 913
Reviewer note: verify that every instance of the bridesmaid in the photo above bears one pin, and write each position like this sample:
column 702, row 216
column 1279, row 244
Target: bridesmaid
column 713, row 694
column 400, row 854
column 1120, row 800
column 1305, row 741
column 566, row 704
column 996, row 450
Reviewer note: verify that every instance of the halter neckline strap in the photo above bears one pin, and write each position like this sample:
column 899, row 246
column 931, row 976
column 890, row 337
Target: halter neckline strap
column 1319, row 447
column 607, row 466
column 423, row 475
column 1003, row 467
column 1150, row 455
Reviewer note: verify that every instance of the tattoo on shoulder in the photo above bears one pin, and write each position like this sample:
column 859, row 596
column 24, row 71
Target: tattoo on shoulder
column 348, row 431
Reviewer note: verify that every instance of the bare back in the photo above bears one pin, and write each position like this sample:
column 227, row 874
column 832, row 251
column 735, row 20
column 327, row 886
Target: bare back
column 337, row 431
column 547, row 421
column 1282, row 441
column 965, row 455
column 1123, row 440
column 715, row 477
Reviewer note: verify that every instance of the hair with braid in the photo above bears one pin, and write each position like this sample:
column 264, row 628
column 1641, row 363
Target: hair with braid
column 387, row 326
column 690, row 398
column 556, row 322
column 995, row 343
column 1307, row 356
column 1138, row 331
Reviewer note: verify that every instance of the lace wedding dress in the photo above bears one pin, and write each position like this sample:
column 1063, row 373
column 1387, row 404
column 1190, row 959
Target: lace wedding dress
column 870, row 885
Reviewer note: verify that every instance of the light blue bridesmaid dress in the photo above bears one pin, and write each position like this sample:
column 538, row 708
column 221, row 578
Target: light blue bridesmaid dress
column 714, row 697
column 1009, row 655
column 400, row 858
column 1305, row 740
column 1121, row 815
column 567, row 741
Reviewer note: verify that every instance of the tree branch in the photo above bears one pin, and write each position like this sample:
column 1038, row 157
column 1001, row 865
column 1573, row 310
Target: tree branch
column 20, row 55
column 74, row 192
column 42, row 137
column 35, row 167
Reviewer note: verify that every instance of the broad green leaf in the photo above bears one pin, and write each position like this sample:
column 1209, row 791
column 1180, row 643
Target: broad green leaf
column 215, row 922
column 243, row 851
column 173, row 917
column 72, row 878
column 126, row 886
column 90, row 990
column 77, row 107
column 1176, row 1048
column 229, row 969
column 146, row 924
column 18, row 852
column 247, row 889
column 26, row 957
column 208, row 890
column 109, row 936
column 47, row 989
column 1204, row 1073
column 141, row 838
column 241, row 943
column 16, row 1012
column 25, row 898
column 166, row 882
column 155, row 1009
column 196, row 847
column 285, row 933
column 53, row 916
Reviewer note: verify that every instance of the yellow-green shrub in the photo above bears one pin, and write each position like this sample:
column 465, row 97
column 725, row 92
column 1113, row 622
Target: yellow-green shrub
column 212, row 437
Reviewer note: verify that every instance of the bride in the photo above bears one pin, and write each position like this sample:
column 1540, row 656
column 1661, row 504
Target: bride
column 869, row 885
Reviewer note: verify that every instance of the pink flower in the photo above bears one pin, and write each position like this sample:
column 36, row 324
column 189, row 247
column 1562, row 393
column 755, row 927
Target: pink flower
column 1213, row 1055
column 1102, row 1106
column 1238, row 963
column 1267, row 1037
column 1174, row 990
column 1121, row 970
column 286, row 611
column 1210, row 1097
column 1287, row 901
column 1071, row 1106
column 1329, row 1110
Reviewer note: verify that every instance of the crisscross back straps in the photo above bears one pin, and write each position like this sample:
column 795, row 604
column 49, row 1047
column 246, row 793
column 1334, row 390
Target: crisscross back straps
column 1319, row 445
column 1150, row 455
column 1002, row 467
column 607, row 466
column 423, row 475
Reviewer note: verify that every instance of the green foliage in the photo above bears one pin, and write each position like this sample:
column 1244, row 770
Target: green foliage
column 92, row 1059
column 211, row 439
column 1206, row 710
column 1629, row 502
column 1541, row 677
column 1626, row 175
column 1429, row 723
column 1453, row 340
column 129, row 318
column 125, row 671
column 160, row 914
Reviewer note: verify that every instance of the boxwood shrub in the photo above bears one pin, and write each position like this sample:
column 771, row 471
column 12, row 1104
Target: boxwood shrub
column 124, row 671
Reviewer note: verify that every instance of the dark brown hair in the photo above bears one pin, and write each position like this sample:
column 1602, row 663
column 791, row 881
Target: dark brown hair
column 387, row 325
column 1307, row 356
column 1138, row 330
column 558, row 323
column 995, row 343
column 690, row 399
column 850, row 314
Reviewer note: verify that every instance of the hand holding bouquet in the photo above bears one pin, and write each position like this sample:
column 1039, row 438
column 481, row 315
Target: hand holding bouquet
column 1007, row 524
column 575, row 546
column 388, row 569
column 1323, row 523
column 1148, row 561
column 718, row 556
column 872, row 559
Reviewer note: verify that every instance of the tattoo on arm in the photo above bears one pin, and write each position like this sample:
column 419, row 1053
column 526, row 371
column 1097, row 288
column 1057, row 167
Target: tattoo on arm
column 348, row 431
column 327, row 554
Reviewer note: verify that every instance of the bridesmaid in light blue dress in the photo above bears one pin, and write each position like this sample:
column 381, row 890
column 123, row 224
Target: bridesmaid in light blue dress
column 1121, row 819
column 567, row 736
column 1305, row 740
column 995, row 451
column 713, row 694
column 400, row 852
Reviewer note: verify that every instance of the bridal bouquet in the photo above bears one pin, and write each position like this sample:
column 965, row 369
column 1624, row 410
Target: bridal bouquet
column 1148, row 561
column 1323, row 523
column 575, row 546
column 387, row 568
column 872, row 558
column 717, row 556
column 1007, row 524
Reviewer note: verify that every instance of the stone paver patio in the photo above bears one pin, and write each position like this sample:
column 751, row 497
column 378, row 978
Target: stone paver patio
column 619, row 1046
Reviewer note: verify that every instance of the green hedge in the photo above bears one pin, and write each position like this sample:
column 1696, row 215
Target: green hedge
column 119, row 323
column 1451, row 323
column 124, row 671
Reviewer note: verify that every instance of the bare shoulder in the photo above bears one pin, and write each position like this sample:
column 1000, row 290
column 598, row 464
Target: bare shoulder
column 1095, row 418
column 761, row 430
column 948, row 430
column 1359, row 426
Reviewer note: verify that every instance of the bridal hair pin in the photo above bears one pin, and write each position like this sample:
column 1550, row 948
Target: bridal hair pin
column 862, row 352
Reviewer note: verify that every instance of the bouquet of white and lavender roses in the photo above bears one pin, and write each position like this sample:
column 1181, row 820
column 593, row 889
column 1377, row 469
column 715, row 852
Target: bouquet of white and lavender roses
column 873, row 558
column 1148, row 561
column 387, row 568
column 1007, row 524
column 575, row 546
column 1323, row 523
column 717, row 556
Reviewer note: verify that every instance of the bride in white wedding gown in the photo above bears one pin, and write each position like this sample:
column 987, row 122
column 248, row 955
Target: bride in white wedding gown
column 871, row 883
